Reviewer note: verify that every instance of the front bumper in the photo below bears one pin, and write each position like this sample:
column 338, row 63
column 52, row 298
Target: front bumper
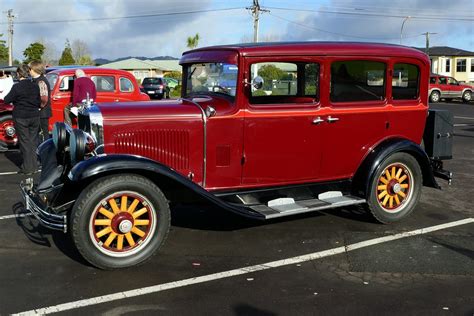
column 45, row 214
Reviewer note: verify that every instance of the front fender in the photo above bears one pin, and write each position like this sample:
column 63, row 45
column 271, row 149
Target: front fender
column 374, row 159
column 104, row 165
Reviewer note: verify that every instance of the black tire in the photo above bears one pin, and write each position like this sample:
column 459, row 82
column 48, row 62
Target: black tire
column 88, row 221
column 389, row 205
column 8, row 136
column 467, row 96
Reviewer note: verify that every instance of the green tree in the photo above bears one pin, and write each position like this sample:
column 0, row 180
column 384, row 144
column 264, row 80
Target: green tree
column 270, row 73
column 3, row 50
column 193, row 41
column 174, row 74
column 66, row 56
column 85, row 60
column 33, row 52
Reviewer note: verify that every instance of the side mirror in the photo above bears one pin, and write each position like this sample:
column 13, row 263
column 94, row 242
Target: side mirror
column 257, row 83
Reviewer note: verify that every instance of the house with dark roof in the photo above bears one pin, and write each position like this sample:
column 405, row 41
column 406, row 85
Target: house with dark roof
column 453, row 62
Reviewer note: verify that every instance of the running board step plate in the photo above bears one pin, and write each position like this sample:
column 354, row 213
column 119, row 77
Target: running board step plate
column 287, row 206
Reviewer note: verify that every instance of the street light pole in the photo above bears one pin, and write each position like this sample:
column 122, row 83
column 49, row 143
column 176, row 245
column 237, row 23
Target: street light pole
column 401, row 29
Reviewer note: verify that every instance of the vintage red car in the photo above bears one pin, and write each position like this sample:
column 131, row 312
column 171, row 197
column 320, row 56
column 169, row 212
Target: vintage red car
column 112, row 86
column 298, row 127
column 448, row 88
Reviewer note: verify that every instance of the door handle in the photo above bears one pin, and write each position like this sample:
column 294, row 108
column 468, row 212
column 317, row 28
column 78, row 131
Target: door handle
column 117, row 100
column 318, row 120
column 332, row 119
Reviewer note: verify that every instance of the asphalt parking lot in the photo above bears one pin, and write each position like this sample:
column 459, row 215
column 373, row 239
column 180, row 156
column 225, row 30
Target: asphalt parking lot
column 327, row 263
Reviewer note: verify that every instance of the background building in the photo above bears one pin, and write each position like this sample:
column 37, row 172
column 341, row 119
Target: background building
column 453, row 62
column 145, row 68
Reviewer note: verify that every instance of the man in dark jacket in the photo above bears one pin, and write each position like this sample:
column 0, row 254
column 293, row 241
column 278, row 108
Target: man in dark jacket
column 25, row 97
column 37, row 73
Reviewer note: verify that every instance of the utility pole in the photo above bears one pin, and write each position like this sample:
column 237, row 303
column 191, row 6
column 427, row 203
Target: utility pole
column 255, row 9
column 10, row 18
column 427, row 34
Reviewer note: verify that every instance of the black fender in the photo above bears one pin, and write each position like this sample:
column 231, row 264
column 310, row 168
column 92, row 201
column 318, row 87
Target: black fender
column 104, row 165
column 371, row 164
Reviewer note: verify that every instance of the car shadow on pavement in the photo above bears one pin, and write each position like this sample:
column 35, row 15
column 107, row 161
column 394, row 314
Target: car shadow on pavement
column 357, row 213
column 42, row 236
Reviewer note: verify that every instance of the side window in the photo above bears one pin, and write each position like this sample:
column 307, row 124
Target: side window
column 286, row 82
column 126, row 85
column 405, row 82
column 104, row 83
column 443, row 80
column 357, row 80
column 67, row 84
column 433, row 80
column 453, row 82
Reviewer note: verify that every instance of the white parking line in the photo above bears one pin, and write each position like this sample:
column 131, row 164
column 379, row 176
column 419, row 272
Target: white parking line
column 464, row 117
column 8, row 173
column 239, row 271
column 15, row 216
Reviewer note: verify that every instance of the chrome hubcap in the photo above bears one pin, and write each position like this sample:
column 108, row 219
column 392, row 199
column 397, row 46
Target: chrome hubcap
column 397, row 188
column 10, row 131
column 125, row 226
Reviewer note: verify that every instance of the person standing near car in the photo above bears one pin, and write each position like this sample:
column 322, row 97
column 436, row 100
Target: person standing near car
column 37, row 73
column 25, row 97
column 83, row 87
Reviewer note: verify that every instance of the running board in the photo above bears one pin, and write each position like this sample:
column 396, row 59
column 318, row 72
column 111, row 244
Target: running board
column 288, row 206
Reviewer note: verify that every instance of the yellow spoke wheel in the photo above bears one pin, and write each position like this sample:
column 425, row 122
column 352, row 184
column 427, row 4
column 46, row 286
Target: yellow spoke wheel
column 122, row 222
column 394, row 186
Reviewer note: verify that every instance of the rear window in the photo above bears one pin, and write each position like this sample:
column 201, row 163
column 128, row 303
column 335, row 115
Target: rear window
column 152, row 81
column 433, row 80
column 405, row 82
column 126, row 85
column 357, row 80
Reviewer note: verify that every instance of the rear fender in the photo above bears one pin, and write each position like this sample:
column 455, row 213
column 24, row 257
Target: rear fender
column 371, row 164
column 8, row 108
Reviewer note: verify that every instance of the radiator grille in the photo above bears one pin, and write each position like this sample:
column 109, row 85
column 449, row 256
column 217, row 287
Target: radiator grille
column 170, row 147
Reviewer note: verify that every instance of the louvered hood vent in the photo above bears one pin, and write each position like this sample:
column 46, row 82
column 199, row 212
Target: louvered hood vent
column 168, row 146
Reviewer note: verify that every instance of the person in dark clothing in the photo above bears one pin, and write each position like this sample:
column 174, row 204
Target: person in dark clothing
column 25, row 97
column 37, row 73
column 83, row 87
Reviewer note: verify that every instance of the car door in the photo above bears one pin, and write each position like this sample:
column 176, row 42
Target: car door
column 443, row 85
column 61, row 96
column 455, row 90
column 106, row 87
column 281, row 128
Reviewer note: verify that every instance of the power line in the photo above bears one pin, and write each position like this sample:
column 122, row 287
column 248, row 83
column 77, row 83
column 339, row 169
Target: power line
column 129, row 16
column 419, row 17
column 335, row 33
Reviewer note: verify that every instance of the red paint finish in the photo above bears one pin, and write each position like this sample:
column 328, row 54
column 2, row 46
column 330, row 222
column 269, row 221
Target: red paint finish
column 254, row 145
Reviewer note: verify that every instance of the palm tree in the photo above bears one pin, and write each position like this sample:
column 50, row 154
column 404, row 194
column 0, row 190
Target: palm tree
column 193, row 41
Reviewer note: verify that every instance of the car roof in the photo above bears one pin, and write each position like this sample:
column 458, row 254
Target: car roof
column 90, row 71
column 317, row 48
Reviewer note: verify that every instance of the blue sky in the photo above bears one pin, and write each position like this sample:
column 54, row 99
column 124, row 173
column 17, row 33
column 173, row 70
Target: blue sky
column 296, row 20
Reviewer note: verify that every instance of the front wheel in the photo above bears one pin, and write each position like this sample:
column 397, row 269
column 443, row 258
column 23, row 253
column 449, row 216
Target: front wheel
column 120, row 221
column 395, row 188
column 467, row 96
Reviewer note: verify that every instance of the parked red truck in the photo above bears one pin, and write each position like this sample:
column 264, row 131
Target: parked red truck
column 298, row 127
column 112, row 86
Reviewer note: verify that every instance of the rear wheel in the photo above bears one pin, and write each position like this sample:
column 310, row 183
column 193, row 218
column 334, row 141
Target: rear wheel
column 434, row 96
column 8, row 135
column 467, row 96
column 395, row 188
column 120, row 221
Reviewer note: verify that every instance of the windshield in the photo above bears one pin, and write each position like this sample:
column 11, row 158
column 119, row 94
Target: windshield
column 52, row 78
column 211, row 77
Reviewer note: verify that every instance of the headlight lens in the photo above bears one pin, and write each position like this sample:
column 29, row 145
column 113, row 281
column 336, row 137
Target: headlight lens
column 60, row 136
column 80, row 144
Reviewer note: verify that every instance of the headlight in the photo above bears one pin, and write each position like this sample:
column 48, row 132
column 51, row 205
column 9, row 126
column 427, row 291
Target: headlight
column 80, row 144
column 60, row 136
